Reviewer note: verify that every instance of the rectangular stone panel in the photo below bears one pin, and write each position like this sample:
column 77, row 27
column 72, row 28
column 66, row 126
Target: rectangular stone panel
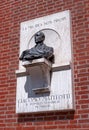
column 57, row 30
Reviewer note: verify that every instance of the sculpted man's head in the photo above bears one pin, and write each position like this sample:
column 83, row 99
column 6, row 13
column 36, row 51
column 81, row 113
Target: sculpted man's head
column 39, row 51
column 39, row 37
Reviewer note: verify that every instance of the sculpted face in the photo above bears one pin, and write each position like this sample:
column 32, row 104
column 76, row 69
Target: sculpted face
column 39, row 37
column 38, row 51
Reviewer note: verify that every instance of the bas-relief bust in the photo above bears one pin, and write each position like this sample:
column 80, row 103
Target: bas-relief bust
column 40, row 50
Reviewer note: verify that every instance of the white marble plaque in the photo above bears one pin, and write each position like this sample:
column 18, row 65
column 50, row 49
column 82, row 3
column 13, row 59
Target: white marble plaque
column 57, row 30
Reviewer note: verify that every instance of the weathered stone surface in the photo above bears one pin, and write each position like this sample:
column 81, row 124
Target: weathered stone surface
column 57, row 30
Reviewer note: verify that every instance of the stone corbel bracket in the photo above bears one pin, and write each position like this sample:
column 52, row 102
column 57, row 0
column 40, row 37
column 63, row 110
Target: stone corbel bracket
column 45, row 66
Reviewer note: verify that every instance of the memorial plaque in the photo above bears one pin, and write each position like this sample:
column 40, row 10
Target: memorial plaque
column 57, row 30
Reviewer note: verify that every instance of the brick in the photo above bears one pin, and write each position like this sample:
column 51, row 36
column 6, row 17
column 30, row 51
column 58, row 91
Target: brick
column 12, row 13
column 28, row 128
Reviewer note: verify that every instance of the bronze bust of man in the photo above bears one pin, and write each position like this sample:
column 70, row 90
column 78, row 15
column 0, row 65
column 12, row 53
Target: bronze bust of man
column 40, row 50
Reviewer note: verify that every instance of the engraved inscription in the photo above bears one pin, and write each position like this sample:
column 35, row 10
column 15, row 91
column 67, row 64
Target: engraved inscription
column 45, row 23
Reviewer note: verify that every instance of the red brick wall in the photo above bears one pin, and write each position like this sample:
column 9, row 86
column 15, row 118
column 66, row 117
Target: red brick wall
column 12, row 13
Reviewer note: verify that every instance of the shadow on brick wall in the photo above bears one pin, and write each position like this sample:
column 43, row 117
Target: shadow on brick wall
column 47, row 116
